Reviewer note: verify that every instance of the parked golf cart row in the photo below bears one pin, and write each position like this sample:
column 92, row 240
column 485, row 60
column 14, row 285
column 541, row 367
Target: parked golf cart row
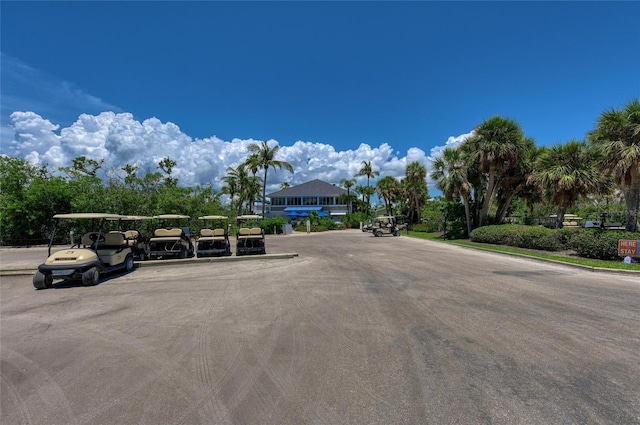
column 102, row 251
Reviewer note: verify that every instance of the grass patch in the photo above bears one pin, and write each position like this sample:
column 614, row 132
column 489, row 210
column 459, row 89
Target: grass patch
column 613, row 265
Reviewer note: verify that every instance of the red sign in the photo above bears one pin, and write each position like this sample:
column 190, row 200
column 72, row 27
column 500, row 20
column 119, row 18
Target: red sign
column 627, row 247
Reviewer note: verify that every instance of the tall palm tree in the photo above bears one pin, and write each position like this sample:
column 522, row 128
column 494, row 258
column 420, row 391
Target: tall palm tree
column 368, row 171
column 617, row 140
column 515, row 180
column 496, row 146
column 348, row 184
column 387, row 187
column 416, row 183
column 285, row 185
column 268, row 159
column 450, row 175
column 565, row 172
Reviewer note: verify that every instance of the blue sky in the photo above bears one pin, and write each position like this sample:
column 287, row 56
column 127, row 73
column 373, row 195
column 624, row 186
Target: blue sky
column 333, row 83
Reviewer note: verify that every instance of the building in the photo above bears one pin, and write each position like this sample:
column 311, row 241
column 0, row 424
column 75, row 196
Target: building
column 295, row 203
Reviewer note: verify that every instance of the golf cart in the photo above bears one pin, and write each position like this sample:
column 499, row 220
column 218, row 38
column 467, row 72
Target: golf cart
column 250, row 237
column 171, row 241
column 96, row 252
column 133, row 236
column 387, row 225
column 214, row 242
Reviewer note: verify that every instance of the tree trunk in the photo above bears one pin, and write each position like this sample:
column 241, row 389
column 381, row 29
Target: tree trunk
column 632, row 199
column 467, row 214
column 502, row 209
column 264, row 191
column 560, row 218
column 488, row 196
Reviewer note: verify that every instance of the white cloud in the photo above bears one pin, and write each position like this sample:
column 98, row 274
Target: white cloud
column 119, row 139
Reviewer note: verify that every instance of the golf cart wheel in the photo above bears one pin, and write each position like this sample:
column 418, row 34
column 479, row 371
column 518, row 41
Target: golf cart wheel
column 183, row 253
column 129, row 264
column 378, row 233
column 42, row 281
column 91, row 277
column 396, row 233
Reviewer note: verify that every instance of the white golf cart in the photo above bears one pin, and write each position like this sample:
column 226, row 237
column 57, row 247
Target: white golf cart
column 250, row 237
column 387, row 225
column 96, row 253
column 173, row 240
column 214, row 239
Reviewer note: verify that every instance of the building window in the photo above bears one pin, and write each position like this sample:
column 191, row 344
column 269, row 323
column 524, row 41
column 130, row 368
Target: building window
column 310, row 200
column 278, row 201
column 293, row 201
column 327, row 200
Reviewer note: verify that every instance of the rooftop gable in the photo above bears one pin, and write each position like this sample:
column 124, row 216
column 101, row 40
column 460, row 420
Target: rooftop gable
column 311, row 188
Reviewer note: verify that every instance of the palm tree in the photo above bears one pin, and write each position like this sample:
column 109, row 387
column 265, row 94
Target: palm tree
column 368, row 171
column 360, row 190
column 450, row 175
column 348, row 184
column 565, row 172
column 285, row 185
column 496, row 146
column 515, row 180
column 253, row 163
column 387, row 187
column 241, row 183
column 617, row 140
column 416, row 183
column 267, row 157
column 231, row 186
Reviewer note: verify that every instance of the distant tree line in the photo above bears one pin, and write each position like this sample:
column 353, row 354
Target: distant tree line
column 497, row 170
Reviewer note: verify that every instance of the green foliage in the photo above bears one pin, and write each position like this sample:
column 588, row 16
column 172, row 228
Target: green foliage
column 423, row 228
column 29, row 197
column 520, row 236
column 353, row 220
column 599, row 244
column 269, row 224
column 302, row 227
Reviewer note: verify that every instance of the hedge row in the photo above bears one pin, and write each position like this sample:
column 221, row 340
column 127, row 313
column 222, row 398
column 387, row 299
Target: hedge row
column 588, row 243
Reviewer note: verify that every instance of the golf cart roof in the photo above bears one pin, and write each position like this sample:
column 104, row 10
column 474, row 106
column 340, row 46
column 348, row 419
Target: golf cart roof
column 130, row 217
column 170, row 216
column 249, row 217
column 88, row 216
column 213, row 217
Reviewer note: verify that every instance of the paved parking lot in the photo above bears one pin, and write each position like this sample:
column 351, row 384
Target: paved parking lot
column 354, row 330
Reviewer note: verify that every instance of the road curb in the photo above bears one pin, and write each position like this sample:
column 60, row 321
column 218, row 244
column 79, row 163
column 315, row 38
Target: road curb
column 548, row 260
column 174, row 262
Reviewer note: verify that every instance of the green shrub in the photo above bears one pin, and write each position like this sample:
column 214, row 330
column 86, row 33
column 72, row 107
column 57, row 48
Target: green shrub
column 600, row 244
column 269, row 224
column 531, row 237
column 302, row 227
column 422, row 227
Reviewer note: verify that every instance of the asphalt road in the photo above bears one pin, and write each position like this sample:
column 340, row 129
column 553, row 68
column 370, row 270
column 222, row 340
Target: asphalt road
column 355, row 330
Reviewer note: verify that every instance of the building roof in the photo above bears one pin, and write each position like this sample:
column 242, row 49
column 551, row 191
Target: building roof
column 311, row 188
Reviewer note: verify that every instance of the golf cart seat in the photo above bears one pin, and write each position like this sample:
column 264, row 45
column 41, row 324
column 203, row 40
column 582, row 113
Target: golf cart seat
column 256, row 231
column 168, row 233
column 88, row 239
column 113, row 240
column 130, row 236
column 218, row 234
column 206, row 233
column 244, row 233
